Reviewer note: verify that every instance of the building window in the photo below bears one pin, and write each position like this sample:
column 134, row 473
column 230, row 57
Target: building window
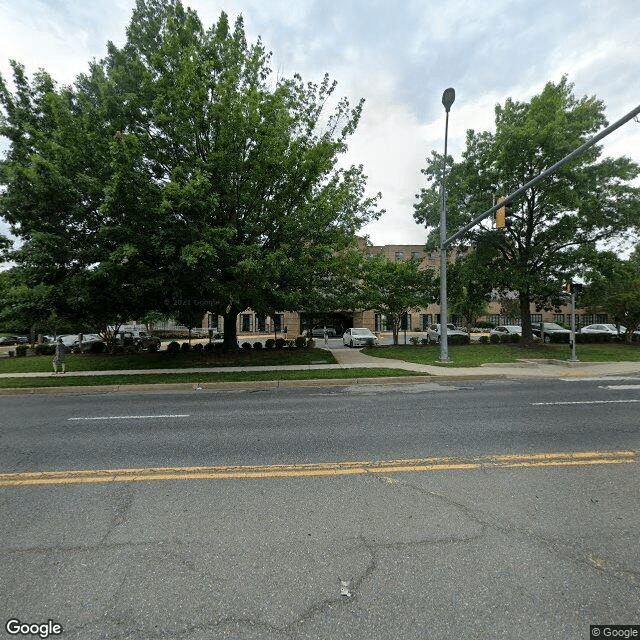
column 278, row 322
column 536, row 317
column 261, row 323
column 213, row 322
column 416, row 255
column 558, row 318
column 399, row 255
column 405, row 322
column 246, row 322
column 494, row 319
column 587, row 319
column 425, row 320
column 602, row 318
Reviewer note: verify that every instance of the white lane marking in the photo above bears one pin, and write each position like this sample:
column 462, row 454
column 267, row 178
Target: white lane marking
column 585, row 402
column 172, row 415
column 620, row 386
column 598, row 379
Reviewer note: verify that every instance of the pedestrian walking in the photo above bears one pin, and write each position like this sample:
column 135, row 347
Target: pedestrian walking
column 58, row 359
column 326, row 336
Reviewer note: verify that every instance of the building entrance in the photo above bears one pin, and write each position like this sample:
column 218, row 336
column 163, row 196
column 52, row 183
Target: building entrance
column 336, row 323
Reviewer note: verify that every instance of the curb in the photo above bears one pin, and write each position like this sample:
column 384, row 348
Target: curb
column 239, row 386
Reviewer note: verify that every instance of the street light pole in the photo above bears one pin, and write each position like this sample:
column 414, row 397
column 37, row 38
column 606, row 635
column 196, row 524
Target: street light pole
column 448, row 97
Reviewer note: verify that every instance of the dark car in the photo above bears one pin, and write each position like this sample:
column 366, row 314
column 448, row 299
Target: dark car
column 549, row 330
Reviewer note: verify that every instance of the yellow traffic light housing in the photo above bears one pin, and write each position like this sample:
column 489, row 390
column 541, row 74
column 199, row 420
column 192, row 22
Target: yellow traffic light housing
column 500, row 215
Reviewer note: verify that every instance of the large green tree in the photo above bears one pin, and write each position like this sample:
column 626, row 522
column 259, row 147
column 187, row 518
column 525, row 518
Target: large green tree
column 614, row 288
column 179, row 172
column 395, row 288
column 555, row 221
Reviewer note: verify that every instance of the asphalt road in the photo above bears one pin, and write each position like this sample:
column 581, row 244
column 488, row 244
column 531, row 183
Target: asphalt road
column 483, row 545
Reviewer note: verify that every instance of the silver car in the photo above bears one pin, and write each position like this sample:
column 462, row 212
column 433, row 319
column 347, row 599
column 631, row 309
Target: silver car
column 358, row 337
column 433, row 332
column 610, row 329
column 506, row 329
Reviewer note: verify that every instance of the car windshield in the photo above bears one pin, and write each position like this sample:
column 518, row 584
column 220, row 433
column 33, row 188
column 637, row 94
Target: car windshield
column 360, row 332
column 552, row 325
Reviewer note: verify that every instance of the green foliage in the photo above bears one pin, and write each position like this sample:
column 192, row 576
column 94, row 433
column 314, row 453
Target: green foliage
column 247, row 346
column 300, row 342
column 615, row 288
column 173, row 347
column 21, row 350
column 280, row 343
column 270, row 343
column 559, row 219
column 178, row 176
column 45, row 349
column 257, row 346
column 394, row 288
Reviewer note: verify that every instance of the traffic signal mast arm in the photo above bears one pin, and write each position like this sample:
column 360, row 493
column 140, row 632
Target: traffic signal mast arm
column 504, row 203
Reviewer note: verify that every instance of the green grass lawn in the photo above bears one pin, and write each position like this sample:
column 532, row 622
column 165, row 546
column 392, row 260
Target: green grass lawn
column 241, row 376
column 165, row 360
column 474, row 355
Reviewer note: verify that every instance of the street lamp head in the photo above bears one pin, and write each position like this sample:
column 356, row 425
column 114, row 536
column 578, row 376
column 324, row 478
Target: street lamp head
column 448, row 97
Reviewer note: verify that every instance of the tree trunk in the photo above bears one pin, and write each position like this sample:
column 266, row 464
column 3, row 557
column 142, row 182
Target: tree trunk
column 525, row 317
column 230, row 329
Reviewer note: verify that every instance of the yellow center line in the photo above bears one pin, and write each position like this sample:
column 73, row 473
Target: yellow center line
column 412, row 465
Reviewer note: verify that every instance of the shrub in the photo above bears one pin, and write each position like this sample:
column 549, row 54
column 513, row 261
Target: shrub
column 208, row 347
column 98, row 347
column 424, row 340
column 152, row 348
column 257, row 346
column 300, row 342
column 185, row 346
column 246, row 346
column 495, row 339
column 270, row 343
column 414, row 340
column 484, row 339
column 458, row 340
column 280, row 342
column 485, row 324
column 45, row 349
column 173, row 347
column 198, row 347
column 21, row 350
column 311, row 343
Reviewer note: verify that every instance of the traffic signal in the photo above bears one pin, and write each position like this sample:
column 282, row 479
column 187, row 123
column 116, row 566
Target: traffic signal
column 500, row 214
column 503, row 214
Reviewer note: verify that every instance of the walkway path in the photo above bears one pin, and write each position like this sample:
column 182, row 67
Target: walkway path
column 354, row 358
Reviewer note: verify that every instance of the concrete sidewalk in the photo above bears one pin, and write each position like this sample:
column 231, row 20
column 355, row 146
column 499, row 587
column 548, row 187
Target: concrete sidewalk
column 354, row 358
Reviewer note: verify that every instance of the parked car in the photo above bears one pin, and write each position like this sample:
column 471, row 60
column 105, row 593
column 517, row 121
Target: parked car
column 358, row 336
column 433, row 332
column 506, row 329
column 90, row 342
column 549, row 329
column 609, row 329
column 68, row 340
column 141, row 339
column 8, row 340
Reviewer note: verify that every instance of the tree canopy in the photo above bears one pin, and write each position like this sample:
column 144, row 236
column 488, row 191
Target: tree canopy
column 177, row 172
column 394, row 288
column 557, row 221
column 614, row 288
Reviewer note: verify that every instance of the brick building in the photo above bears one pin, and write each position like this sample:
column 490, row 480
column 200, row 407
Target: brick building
column 293, row 323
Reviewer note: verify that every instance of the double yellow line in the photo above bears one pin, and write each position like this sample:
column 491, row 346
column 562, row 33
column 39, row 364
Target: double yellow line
column 412, row 465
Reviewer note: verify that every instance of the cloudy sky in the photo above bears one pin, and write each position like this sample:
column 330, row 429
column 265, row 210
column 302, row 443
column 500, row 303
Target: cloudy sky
column 399, row 56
